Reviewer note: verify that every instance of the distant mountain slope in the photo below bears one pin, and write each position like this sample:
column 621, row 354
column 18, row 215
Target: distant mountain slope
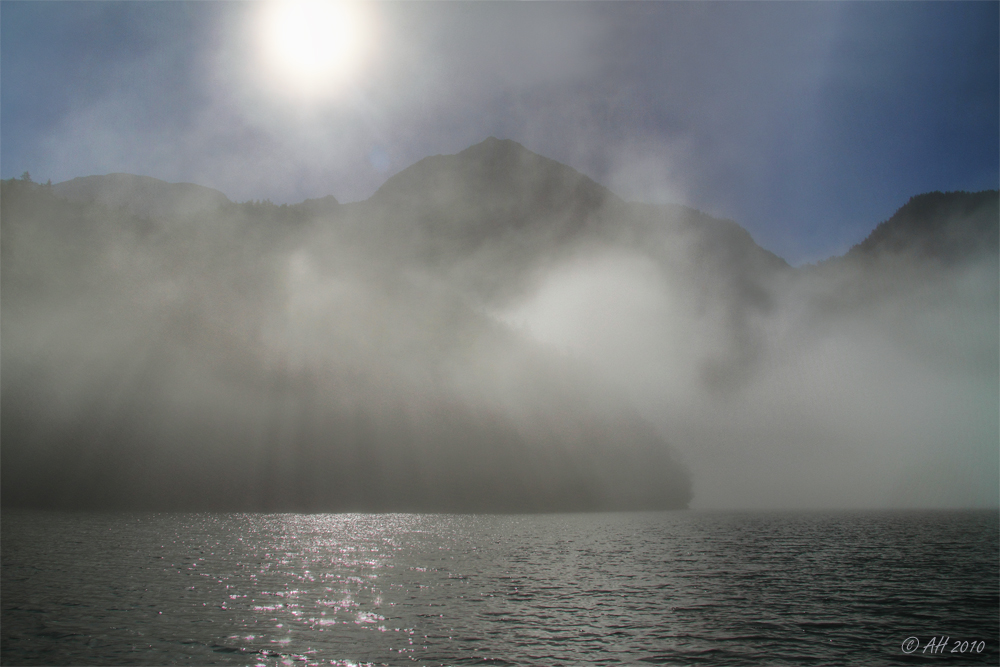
column 487, row 215
column 142, row 195
column 496, row 214
column 498, row 188
column 949, row 226
column 477, row 336
column 247, row 363
column 321, row 206
column 494, row 186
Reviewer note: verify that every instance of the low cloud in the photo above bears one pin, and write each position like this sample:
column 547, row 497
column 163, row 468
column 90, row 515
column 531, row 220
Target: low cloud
column 490, row 331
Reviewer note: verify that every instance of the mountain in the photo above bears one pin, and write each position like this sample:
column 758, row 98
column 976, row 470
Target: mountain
column 257, row 361
column 490, row 331
column 931, row 244
column 494, row 188
column 947, row 226
column 495, row 216
column 320, row 207
column 494, row 221
column 142, row 195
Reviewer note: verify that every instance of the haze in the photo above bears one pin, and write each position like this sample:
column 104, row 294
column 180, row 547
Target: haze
column 544, row 321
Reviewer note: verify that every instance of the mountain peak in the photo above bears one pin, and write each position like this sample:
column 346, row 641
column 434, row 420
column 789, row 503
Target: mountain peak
column 498, row 175
column 492, row 147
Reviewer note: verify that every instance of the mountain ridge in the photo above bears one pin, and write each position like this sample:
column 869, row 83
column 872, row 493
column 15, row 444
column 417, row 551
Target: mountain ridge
column 370, row 356
column 947, row 226
column 142, row 195
column 501, row 167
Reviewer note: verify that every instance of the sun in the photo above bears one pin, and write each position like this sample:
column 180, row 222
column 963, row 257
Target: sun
column 312, row 47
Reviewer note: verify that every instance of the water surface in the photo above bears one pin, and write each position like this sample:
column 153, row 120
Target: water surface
column 678, row 588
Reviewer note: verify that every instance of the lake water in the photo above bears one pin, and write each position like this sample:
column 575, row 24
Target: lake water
column 678, row 588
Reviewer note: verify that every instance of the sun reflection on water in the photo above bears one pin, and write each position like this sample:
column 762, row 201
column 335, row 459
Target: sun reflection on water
column 432, row 589
column 321, row 573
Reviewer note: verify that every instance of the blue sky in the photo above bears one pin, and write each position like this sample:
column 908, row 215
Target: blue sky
column 807, row 123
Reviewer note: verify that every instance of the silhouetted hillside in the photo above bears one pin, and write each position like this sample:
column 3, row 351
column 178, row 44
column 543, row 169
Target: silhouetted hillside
column 321, row 207
column 476, row 336
column 949, row 226
column 493, row 217
column 491, row 189
column 142, row 195
column 267, row 359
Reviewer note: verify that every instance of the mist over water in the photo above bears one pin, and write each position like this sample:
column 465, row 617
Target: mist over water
column 838, row 386
column 490, row 331
column 329, row 378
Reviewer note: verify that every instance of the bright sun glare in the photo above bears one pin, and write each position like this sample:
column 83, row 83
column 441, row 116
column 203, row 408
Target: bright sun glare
column 312, row 46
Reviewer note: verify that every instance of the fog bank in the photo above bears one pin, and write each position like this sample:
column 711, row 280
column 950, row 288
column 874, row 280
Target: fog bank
column 491, row 331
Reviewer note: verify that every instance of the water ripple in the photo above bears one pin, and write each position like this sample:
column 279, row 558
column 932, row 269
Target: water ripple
column 681, row 588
